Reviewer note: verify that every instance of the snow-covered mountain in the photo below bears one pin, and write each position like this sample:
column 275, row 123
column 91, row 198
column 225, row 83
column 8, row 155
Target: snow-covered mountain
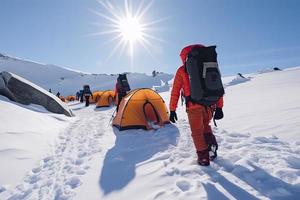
column 50, row 156
column 68, row 81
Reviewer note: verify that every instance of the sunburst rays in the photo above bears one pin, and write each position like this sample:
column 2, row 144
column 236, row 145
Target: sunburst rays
column 126, row 26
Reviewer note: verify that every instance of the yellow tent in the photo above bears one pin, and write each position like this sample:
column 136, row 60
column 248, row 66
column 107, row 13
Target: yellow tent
column 96, row 96
column 63, row 99
column 71, row 98
column 142, row 108
column 106, row 99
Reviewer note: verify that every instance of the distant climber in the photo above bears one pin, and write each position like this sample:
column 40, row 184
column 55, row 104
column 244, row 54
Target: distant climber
column 87, row 93
column 122, row 87
column 153, row 73
column 58, row 94
column 240, row 75
column 81, row 95
column 77, row 95
column 50, row 90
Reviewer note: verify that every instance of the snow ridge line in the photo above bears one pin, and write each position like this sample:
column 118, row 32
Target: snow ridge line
column 58, row 174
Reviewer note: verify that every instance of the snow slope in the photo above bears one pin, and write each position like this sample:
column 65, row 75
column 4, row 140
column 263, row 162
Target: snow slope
column 27, row 133
column 268, row 105
column 257, row 159
column 67, row 81
column 55, row 157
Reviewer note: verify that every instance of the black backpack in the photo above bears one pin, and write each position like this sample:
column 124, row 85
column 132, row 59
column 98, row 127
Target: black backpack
column 204, row 74
column 86, row 90
column 123, row 82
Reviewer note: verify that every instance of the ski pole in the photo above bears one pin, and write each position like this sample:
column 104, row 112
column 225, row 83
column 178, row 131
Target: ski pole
column 112, row 116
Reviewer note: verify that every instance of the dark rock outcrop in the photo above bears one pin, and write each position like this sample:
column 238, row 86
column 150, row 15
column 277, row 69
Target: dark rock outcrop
column 25, row 92
column 5, row 91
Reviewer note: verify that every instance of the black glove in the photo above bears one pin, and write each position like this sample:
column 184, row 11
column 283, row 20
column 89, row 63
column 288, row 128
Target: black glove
column 173, row 116
column 218, row 114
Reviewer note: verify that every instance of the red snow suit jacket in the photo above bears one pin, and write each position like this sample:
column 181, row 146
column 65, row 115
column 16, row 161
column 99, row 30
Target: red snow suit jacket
column 182, row 82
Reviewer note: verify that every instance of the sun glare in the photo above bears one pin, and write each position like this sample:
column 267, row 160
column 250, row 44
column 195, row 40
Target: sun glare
column 130, row 29
column 126, row 28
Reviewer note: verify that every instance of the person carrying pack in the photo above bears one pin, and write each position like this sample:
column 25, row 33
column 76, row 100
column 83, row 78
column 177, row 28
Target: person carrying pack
column 87, row 93
column 122, row 87
column 200, row 81
column 81, row 95
column 77, row 95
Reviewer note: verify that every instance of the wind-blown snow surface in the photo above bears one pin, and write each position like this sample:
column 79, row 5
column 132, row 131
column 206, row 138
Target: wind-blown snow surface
column 67, row 81
column 268, row 105
column 26, row 135
column 92, row 160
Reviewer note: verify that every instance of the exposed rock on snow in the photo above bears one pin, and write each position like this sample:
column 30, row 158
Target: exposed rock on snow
column 4, row 90
column 25, row 92
column 268, row 70
column 238, row 79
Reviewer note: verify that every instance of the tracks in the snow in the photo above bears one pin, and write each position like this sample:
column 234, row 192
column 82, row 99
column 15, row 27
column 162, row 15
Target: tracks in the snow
column 58, row 174
column 247, row 168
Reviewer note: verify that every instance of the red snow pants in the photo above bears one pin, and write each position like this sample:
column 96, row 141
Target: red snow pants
column 199, row 118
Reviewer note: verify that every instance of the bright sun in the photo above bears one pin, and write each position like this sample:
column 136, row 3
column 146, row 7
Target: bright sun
column 126, row 27
column 130, row 29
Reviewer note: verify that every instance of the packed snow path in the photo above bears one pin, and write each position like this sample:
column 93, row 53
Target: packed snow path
column 92, row 160
column 57, row 175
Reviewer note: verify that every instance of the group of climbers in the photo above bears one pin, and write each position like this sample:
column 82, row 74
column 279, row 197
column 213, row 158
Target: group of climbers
column 84, row 94
column 198, row 82
column 121, row 89
column 57, row 94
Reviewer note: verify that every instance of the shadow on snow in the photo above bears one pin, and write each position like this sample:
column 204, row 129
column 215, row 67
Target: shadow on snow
column 233, row 189
column 263, row 182
column 105, row 108
column 133, row 147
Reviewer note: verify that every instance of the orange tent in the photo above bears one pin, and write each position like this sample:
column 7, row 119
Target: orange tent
column 142, row 108
column 71, row 98
column 106, row 99
column 96, row 96
column 63, row 99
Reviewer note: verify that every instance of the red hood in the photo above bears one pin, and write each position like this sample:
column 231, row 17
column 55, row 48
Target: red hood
column 185, row 51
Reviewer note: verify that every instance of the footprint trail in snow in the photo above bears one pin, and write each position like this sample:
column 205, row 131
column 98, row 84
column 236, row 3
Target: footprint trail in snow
column 58, row 174
column 247, row 167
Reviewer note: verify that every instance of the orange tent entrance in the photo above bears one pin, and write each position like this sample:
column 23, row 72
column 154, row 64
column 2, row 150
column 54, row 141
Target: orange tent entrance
column 142, row 108
column 96, row 96
column 106, row 99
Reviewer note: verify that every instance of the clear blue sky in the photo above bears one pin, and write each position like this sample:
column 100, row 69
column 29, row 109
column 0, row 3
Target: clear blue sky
column 249, row 34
